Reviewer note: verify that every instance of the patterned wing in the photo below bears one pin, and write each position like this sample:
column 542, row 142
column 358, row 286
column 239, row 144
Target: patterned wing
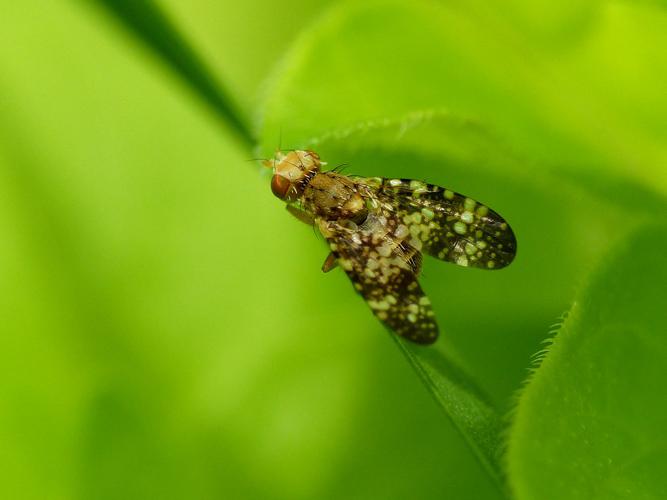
column 447, row 225
column 384, row 269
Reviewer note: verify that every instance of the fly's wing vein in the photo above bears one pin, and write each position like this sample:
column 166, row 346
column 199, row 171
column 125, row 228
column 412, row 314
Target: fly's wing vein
column 383, row 269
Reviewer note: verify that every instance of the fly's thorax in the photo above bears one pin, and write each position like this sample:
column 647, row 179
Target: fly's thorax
column 292, row 171
column 333, row 197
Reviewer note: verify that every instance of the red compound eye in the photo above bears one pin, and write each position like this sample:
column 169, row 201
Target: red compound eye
column 280, row 186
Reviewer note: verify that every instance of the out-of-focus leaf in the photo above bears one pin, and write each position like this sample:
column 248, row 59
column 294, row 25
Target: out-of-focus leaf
column 242, row 41
column 596, row 106
column 146, row 20
column 591, row 422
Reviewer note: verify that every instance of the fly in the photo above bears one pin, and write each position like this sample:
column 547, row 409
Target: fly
column 377, row 230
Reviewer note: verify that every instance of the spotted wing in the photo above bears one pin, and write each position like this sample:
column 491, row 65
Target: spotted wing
column 447, row 225
column 384, row 270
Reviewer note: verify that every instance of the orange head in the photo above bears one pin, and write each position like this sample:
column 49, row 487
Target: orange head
column 292, row 172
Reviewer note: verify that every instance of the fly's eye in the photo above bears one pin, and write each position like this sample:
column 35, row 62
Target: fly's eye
column 280, row 186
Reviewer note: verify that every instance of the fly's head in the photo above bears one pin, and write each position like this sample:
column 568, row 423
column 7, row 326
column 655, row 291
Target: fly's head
column 292, row 171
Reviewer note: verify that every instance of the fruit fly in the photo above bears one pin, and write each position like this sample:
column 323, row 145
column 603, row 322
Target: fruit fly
column 377, row 230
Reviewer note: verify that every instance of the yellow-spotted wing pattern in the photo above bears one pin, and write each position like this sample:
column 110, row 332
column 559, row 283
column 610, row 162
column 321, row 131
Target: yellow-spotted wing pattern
column 383, row 268
column 449, row 226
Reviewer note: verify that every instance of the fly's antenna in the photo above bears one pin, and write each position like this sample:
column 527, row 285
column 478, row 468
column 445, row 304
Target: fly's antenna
column 265, row 162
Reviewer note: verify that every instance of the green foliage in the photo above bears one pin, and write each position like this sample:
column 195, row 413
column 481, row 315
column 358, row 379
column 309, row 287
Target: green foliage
column 166, row 331
column 149, row 23
column 592, row 416
column 379, row 59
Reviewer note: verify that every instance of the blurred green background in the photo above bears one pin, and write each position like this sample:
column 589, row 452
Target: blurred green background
column 165, row 330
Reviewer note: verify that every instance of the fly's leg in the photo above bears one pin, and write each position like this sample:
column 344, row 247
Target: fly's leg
column 330, row 263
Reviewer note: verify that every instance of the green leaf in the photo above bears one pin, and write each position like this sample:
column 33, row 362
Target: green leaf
column 546, row 214
column 469, row 410
column 564, row 109
column 148, row 22
column 369, row 87
column 591, row 422
column 241, row 41
column 463, row 155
